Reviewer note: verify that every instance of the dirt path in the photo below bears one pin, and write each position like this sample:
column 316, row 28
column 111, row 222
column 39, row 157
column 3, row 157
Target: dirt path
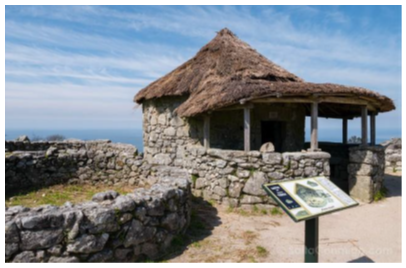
column 367, row 233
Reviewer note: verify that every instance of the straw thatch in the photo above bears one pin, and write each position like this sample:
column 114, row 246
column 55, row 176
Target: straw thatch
column 227, row 70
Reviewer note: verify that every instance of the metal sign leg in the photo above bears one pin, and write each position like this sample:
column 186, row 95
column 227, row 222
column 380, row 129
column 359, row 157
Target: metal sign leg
column 312, row 240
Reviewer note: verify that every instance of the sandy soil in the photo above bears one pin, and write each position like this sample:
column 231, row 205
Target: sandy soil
column 367, row 233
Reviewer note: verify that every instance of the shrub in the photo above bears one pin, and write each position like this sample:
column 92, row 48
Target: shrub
column 56, row 137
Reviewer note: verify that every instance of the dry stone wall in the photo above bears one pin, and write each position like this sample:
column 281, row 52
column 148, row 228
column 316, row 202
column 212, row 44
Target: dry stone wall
column 235, row 178
column 166, row 134
column 366, row 171
column 393, row 155
column 39, row 164
column 110, row 228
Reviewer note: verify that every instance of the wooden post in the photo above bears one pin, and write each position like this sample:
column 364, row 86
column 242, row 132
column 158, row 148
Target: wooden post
column 247, row 129
column 314, row 144
column 373, row 129
column 206, row 130
column 345, row 130
column 364, row 125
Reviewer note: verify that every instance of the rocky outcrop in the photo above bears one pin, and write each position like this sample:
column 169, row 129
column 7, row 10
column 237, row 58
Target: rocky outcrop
column 39, row 164
column 393, row 154
column 366, row 171
column 111, row 228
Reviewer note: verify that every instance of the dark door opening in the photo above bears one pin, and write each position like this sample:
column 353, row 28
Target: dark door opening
column 275, row 132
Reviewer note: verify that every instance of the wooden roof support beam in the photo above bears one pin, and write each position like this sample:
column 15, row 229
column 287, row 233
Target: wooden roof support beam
column 364, row 125
column 345, row 130
column 247, row 129
column 314, row 143
column 372, row 124
column 206, row 131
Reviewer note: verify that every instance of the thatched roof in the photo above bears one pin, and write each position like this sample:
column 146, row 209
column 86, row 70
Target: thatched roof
column 227, row 70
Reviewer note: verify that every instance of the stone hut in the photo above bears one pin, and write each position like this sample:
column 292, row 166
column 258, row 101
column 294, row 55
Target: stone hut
column 211, row 115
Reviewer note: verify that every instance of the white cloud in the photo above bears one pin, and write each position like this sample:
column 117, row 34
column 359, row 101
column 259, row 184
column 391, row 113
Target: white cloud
column 61, row 66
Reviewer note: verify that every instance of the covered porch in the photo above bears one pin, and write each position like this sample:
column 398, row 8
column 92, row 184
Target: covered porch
column 281, row 120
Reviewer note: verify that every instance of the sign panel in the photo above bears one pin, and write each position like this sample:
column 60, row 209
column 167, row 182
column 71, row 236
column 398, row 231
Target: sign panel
column 308, row 198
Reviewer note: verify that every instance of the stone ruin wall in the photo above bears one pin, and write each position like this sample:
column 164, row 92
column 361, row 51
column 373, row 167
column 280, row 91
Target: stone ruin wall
column 235, row 178
column 111, row 228
column 166, row 134
column 366, row 171
column 173, row 145
column 393, row 155
column 39, row 164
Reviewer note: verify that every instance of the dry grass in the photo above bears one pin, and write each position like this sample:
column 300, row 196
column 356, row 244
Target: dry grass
column 59, row 194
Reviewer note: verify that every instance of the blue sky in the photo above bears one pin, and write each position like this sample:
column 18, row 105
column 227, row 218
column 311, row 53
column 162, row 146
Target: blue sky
column 78, row 67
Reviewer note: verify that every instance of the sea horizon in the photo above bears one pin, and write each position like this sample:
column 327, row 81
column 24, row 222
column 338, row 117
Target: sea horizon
column 134, row 136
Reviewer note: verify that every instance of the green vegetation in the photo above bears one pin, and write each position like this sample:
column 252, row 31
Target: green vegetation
column 252, row 170
column 276, row 211
column 53, row 137
column 381, row 194
column 57, row 195
column 262, row 252
column 194, row 178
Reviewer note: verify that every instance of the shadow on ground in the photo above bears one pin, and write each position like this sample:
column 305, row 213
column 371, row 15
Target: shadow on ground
column 394, row 184
column 204, row 218
column 363, row 259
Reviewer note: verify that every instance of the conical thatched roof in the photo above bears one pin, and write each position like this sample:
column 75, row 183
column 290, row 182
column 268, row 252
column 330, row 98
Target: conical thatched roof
column 227, row 70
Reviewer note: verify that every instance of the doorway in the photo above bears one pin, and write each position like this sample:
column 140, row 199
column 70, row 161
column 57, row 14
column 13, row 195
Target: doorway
column 275, row 132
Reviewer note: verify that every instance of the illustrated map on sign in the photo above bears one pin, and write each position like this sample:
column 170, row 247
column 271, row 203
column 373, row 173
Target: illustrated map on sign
column 308, row 198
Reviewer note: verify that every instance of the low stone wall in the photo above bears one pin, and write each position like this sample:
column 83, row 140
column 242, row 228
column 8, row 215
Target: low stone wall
column 131, row 227
column 235, row 178
column 38, row 164
column 393, row 155
column 366, row 171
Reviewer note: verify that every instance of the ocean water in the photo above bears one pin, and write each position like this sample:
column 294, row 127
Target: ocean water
column 131, row 136
column 134, row 136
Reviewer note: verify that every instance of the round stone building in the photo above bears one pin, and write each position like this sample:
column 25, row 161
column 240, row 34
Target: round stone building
column 210, row 117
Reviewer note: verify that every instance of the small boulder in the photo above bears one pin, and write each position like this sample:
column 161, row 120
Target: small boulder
column 267, row 147
column 108, row 195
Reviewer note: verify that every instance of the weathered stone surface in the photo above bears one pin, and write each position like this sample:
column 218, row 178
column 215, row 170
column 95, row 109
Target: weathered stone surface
column 88, row 243
column 361, row 169
column 39, row 221
column 39, row 164
column 272, row 158
column 254, row 184
column 71, row 259
column 102, row 256
column 138, row 234
column 108, row 195
column 22, row 138
column 12, row 235
column 25, row 257
column 235, row 189
column 219, row 191
column 366, row 171
column 101, row 220
column 275, row 175
column 34, row 240
column 267, row 147
column 220, row 163
column 361, row 188
column 171, row 221
column 10, row 250
column 170, row 131
column 249, row 199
